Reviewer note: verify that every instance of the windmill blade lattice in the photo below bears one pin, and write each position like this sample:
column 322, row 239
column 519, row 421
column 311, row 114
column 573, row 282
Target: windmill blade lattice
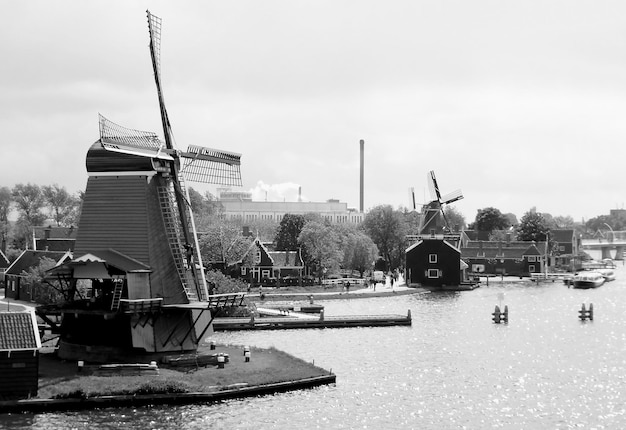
column 116, row 134
column 211, row 166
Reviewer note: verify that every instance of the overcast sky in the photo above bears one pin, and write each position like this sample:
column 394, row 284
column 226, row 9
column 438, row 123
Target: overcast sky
column 520, row 104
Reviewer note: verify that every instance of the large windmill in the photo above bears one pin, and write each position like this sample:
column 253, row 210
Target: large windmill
column 137, row 243
column 433, row 216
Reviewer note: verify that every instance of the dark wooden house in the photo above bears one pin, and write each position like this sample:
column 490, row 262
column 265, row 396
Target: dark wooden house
column 19, row 355
column 261, row 266
column 513, row 258
column 54, row 238
column 15, row 288
column 565, row 249
column 434, row 261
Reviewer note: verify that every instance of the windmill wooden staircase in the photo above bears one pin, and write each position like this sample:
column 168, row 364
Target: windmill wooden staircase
column 175, row 234
column 117, row 295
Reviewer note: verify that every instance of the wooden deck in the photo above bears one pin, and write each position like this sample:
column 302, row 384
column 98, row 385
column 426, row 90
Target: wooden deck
column 285, row 323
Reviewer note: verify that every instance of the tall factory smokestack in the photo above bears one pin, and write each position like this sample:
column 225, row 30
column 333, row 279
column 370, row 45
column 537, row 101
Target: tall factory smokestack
column 362, row 144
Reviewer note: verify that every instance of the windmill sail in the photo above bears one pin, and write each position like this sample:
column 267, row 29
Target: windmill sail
column 433, row 217
column 198, row 164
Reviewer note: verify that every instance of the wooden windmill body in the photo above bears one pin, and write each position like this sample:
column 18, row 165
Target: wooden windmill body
column 137, row 245
column 434, row 259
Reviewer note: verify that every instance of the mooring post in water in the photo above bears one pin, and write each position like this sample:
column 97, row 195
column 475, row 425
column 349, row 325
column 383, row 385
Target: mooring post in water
column 496, row 315
column 585, row 314
column 322, row 315
column 499, row 316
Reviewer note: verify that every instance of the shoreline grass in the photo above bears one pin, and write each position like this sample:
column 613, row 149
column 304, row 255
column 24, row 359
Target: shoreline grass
column 60, row 379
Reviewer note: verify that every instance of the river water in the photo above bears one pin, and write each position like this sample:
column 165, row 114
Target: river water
column 453, row 368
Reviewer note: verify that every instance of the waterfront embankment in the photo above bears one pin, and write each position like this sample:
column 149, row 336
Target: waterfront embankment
column 63, row 385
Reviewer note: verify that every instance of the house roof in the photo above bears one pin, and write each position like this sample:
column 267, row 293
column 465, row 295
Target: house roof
column 54, row 232
column 476, row 235
column 4, row 261
column 420, row 242
column 31, row 258
column 286, row 258
column 256, row 243
column 562, row 235
column 18, row 331
column 502, row 249
column 55, row 244
column 113, row 260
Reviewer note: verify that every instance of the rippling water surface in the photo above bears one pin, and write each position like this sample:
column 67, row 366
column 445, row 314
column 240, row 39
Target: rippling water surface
column 453, row 368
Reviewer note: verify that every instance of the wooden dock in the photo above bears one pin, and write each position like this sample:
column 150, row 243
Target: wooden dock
column 285, row 323
column 565, row 277
column 307, row 309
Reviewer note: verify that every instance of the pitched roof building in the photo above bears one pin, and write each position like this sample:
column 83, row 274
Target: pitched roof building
column 19, row 355
column 14, row 286
column 53, row 238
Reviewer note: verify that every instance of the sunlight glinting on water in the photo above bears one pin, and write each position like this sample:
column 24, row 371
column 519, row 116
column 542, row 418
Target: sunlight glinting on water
column 453, row 368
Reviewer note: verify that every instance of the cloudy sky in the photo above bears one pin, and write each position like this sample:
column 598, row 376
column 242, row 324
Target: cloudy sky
column 520, row 104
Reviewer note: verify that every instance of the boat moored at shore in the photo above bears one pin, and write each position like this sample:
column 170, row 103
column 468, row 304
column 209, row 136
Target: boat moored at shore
column 588, row 279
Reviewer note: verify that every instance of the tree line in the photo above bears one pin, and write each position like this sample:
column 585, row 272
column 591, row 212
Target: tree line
column 35, row 206
column 326, row 247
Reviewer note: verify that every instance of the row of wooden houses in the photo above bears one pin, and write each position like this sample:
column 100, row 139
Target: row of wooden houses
column 262, row 265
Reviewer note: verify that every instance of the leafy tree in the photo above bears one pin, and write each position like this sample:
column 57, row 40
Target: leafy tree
column 288, row 231
column 207, row 210
column 387, row 228
column 456, row 220
column 5, row 207
column 489, row 219
column 222, row 242
column 512, row 219
column 323, row 253
column 41, row 291
column 411, row 221
column 29, row 200
column 499, row 235
column 362, row 253
column 532, row 226
column 63, row 206
column 561, row 221
column 600, row 222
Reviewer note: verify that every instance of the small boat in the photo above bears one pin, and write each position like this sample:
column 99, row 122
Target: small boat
column 608, row 274
column 588, row 279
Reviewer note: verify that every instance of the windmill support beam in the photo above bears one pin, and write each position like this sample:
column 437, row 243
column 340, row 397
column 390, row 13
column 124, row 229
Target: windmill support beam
column 180, row 320
column 193, row 326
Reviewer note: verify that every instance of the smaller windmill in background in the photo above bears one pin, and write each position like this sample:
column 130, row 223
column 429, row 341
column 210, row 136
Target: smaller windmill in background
column 433, row 218
column 434, row 257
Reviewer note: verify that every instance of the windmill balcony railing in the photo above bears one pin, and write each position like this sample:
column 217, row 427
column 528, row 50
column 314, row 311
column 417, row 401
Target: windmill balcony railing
column 140, row 306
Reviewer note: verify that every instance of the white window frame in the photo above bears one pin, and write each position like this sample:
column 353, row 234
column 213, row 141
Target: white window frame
column 531, row 258
column 432, row 272
column 432, row 258
column 531, row 268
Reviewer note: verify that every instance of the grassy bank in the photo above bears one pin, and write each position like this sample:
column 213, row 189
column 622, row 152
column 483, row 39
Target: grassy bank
column 61, row 379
